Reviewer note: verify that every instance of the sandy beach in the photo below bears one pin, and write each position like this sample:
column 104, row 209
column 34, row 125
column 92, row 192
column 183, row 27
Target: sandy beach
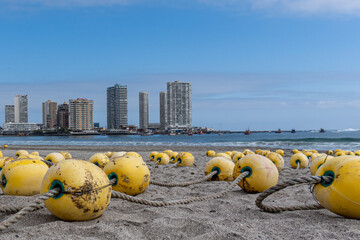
column 234, row 216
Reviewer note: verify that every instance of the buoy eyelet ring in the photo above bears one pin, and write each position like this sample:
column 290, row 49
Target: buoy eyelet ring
column 57, row 184
column 112, row 176
column 97, row 164
column 3, row 180
column 328, row 174
column 319, row 166
column 247, row 169
column 298, row 162
column 179, row 161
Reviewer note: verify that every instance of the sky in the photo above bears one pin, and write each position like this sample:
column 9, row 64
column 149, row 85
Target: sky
column 258, row 64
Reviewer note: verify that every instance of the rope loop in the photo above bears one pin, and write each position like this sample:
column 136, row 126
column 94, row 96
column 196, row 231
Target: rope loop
column 280, row 186
column 182, row 201
column 185, row 184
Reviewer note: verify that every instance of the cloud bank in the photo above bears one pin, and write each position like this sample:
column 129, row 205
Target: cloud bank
column 306, row 7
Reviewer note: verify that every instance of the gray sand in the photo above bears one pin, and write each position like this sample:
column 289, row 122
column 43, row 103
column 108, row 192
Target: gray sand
column 234, row 216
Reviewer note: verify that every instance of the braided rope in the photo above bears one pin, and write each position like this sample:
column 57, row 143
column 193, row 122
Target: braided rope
column 13, row 209
column 278, row 187
column 183, row 201
column 36, row 204
column 185, row 184
column 298, row 165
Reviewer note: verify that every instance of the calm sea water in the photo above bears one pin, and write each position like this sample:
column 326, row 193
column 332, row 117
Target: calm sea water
column 344, row 139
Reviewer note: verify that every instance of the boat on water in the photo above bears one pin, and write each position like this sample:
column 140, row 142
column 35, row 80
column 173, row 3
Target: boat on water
column 321, row 130
column 172, row 133
column 293, row 131
column 278, row 131
column 247, row 132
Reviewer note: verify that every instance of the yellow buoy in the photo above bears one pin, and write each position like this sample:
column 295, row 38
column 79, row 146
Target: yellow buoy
column 299, row 158
column 308, row 154
column 339, row 153
column 168, row 151
column 85, row 190
column 237, row 156
column 54, row 157
column 248, row 152
column 35, row 153
column 185, row 159
column 229, row 153
column 233, row 153
column 338, row 150
column 117, row 154
column 30, row 156
column 330, row 152
column 99, row 159
column 21, row 152
column 5, row 146
column 224, row 166
column 314, row 155
column 317, row 162
column 153, row 155
column 223, row 155
column 295, row 151
column 277, row 159
column 173, row 157
column 357, row 153
column 23, row 177
column 133, row 154
column 280, row 151
column 131, row 173
column 108, row 154
column 350, row 153
column 259, row 151
column 66, row 155
column 162, row 159
column 341, row 195
column 5, row 160
column 314, row 151
column 265, row 152
column 210, row 153
column 262, row 173
column 1, row 154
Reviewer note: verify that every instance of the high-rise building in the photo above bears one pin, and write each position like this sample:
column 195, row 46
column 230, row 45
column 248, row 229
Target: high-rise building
column 49, row 109
column 117, row 107
column 9, row 114
column 143, row 110
column 179, row 105
column 163, row 110
column 21, row 108
column 63, row 115
column 81, row 114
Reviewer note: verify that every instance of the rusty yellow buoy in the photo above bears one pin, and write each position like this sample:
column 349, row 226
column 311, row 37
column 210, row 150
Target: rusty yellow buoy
column 299, row 159
column 317, row 162
column 23, row 177
column 66, row 155
column 85, row 190
column 153, row 155
column 21, row 152
column 277, row 159
column 117, row 154
column 5, row 146
column 280, row 151
column 131, row 173
column 185, row 159
column 168, row 151
column 133, row 154
column 223, row 166
column 173, row 157
column 210, row 153
column 263, row 174
column 223, row 155
column 5, row 160
column 341, row 195
column 237, row 156
column 99, row 159
column 162, row 159
column 54, row 157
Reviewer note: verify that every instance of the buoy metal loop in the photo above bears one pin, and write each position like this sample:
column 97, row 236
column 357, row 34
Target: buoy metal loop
column 114, row 179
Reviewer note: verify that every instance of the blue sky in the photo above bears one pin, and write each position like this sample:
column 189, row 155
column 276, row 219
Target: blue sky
column 265, row 64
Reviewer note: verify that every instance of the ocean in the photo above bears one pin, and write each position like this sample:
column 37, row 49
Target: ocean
column 348, row 139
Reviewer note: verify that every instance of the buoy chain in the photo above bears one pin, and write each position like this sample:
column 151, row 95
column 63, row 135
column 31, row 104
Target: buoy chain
column 183, row 201
column 278, row 187
column 206, row 178
column 36, row 204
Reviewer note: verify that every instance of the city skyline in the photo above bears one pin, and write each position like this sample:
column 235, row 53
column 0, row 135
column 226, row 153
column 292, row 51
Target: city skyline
column 266, row 64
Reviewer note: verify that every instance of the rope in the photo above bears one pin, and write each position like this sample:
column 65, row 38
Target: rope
column 183, row 201
column 37, row 204
column 298, row 165
column 185, row 184
column 278, row 187
column 7, row 209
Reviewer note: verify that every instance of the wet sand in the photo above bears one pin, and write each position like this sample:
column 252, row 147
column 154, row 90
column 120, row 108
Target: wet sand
column 234, row 216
